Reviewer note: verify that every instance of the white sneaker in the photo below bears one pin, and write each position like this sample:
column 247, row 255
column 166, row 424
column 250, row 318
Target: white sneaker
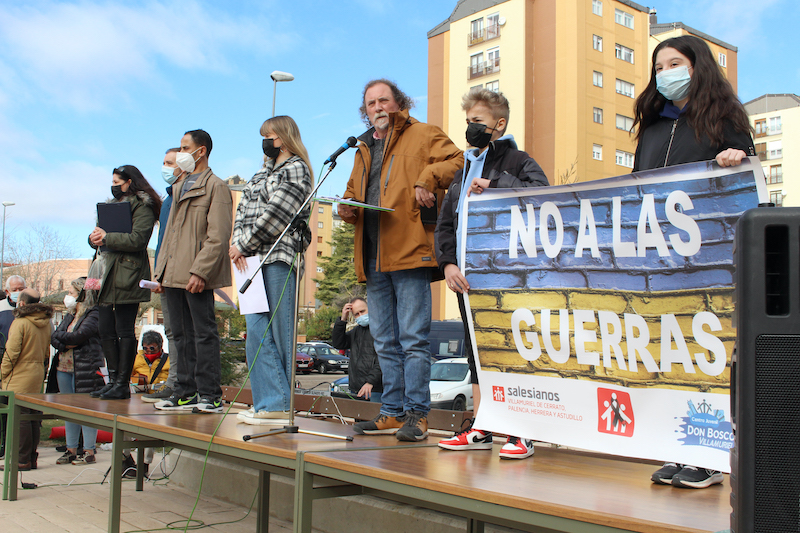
column 264, row 418
column 516, row 448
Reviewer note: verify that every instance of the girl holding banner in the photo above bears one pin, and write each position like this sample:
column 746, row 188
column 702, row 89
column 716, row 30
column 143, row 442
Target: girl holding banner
column 688, row 113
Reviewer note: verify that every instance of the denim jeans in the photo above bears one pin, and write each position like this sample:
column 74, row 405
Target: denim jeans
column 172, row 349
column 66, row 385
column 194, row 328
column 271, row 348
column 400, row 322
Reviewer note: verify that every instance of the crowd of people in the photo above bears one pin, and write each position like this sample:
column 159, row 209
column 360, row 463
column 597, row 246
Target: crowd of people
column 688, row 112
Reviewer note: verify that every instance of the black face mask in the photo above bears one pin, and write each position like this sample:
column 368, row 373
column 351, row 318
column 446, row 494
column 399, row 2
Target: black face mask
column 268, row 145
column 116, row 191
column 477, row 135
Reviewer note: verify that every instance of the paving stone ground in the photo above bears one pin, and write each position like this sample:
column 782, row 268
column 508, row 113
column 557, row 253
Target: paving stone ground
column 71, row 498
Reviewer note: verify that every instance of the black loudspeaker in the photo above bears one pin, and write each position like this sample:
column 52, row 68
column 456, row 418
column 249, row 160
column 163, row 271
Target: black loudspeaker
column 765, row 373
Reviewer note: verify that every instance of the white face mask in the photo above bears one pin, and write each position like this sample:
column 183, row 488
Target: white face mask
column 185, row 161
column 674, row 83
column 70, row 302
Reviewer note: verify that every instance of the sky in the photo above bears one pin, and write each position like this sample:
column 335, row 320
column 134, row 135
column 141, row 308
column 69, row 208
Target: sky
column 87, row 86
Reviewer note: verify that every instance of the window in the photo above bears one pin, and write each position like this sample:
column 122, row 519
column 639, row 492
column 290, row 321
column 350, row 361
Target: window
column 320, row 225
column 477, row 29
column 476, row 65
column 761, row 127
column 624, row 159
column 479, row 86
column 597, row 43
column 621, row 17
column 774, row 125
column 624, row 88
column 320, row 270
column 597, row 152
column 319, row 238
column 597, row 115
column 321, row 209
column 597, row 79
column 493, row 63
column 597, row 7
column 775, row 174
column 723, row 60
column 761, row 151
column 775, row 149
column 492, row 26
column 776, row 198
column 624, row 53
column 494, row 86
column 624, row 123
column 319, row 254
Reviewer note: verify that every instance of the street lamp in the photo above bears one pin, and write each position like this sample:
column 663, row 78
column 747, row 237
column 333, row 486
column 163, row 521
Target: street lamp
column 3, row 246
column 277, row 76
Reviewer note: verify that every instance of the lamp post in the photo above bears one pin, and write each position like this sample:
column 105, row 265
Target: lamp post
column 3, row 245
column 277, row 76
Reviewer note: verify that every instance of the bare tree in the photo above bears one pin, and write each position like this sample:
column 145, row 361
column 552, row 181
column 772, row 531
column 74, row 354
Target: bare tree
column 37, row 256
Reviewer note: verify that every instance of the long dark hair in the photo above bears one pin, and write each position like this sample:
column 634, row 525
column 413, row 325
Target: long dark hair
column 139, row 183
column 712, row 101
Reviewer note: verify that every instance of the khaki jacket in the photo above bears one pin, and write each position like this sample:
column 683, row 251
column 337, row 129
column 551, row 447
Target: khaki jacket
column 415, row 154
column 27, row 349
column 197, row 236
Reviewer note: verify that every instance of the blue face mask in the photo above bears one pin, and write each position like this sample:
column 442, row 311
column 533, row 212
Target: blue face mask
column 363, row 321
column 14, row 296
column 168, row 173
column 674, row 83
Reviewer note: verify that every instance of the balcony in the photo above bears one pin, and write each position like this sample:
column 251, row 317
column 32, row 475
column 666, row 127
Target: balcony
column 484, row 34
column 483, row 68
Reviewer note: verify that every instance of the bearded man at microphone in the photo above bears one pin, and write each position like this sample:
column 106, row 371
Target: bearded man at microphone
column 404, row 165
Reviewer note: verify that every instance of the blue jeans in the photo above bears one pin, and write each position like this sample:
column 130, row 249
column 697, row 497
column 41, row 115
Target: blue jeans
column 400, row 322
column 271, row 349
column 66, row 385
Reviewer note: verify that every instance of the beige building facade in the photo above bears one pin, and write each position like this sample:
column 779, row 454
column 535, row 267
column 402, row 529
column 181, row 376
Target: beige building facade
column 776, row 121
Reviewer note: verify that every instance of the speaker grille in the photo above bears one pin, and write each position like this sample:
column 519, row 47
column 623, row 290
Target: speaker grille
column 777, row 427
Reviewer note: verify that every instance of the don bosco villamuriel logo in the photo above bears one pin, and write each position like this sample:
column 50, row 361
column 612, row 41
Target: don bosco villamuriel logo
column 615, row 412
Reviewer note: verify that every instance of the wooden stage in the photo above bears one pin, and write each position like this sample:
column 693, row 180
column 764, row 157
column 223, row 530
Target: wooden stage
column 556, row 489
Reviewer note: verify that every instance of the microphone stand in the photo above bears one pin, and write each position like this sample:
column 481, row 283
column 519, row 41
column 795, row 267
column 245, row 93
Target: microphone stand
column 298, row 226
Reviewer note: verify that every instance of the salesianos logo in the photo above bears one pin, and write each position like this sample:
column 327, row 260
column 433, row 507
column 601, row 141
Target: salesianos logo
column 706, row 426
column 498, row 394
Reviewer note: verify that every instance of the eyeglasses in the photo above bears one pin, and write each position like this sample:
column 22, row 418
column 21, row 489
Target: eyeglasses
column 121, row 172
column 151, row 349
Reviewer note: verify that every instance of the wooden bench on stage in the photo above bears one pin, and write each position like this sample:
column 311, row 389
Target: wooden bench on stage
column 556, row 489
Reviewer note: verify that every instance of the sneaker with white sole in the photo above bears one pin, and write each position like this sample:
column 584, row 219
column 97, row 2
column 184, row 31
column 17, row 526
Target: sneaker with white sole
column 516, row 448
column 468, row 439
column 177, row 403
column 380, row 425
column 415, row 427
column 155, row 397
column 691, row 477
column 664, row 475
column 208, row 405
column 264, row 418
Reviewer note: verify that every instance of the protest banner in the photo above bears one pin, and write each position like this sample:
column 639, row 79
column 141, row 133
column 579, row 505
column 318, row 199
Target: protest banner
column 601, row 311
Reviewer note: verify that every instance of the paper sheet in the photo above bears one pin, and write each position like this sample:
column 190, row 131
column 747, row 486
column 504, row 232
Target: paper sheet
column 254, row 299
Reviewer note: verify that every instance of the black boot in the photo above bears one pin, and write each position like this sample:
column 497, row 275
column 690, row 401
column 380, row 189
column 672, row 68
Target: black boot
column 122, row 386
column 111, row 353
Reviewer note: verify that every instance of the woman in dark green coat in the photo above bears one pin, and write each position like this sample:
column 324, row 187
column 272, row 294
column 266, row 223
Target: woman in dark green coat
column 125, row 263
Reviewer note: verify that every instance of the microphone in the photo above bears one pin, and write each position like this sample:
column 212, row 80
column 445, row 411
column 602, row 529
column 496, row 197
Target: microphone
column 351, row 142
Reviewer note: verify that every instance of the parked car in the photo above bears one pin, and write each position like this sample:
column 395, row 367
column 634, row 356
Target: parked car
column 450, row 384
column 326, row 357
column 305, row 364
column 447, row 339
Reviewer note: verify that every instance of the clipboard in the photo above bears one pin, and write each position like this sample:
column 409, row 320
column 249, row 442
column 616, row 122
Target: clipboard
column 114, row 218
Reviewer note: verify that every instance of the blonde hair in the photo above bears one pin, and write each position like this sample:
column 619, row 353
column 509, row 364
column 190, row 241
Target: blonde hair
column 496, row 102
column 287, row 131
column 89, row 297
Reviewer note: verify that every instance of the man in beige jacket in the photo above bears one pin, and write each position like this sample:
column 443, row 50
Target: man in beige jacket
column 192, row 262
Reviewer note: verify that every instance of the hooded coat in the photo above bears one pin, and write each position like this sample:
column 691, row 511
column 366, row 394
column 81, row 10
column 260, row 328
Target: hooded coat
column 27, row 349
column 87, row 354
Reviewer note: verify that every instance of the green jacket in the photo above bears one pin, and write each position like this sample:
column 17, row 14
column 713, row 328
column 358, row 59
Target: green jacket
column 127, row 261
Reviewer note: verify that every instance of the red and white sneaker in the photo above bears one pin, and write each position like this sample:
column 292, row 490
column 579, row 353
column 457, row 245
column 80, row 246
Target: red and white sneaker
column 468, row 439
column 516, row 448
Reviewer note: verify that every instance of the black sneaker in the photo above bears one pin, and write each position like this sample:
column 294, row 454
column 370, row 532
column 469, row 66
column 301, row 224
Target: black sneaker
column 415, row 427
column 66, row 459
column 380, row 425
column 663, row 476
column 691, row 477
column 208, row 405
column 156, row 397
column 177, row 403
